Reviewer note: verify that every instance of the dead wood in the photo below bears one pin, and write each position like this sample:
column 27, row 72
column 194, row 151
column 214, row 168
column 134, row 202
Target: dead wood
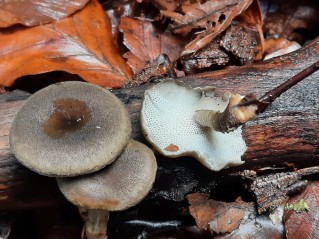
column 286, row 134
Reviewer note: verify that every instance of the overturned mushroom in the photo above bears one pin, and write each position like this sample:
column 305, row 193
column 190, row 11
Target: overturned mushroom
column 70, row 128
column 168, row 121
column 119, row 186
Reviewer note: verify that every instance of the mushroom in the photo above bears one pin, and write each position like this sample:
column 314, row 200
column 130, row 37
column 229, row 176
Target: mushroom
column 120, row 185
column 175, row 120
column 70, row 128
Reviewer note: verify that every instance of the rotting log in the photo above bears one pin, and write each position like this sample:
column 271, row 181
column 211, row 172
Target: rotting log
column 286, row 134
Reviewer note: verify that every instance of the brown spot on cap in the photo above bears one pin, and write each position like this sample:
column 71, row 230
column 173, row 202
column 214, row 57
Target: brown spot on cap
column 69, row 129
column 69, row 115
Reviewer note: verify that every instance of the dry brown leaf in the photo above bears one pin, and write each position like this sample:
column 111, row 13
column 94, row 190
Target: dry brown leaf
column 212, row 16
column 134, row 62
column 35, row 12
column 220, row 217
column 273, row 44
column 167, row 4
column 81, row 44
column 147, row 43
column 116, row 10
column 279, row 47
column 252, row 18
column 304, row 224
column 235, row 220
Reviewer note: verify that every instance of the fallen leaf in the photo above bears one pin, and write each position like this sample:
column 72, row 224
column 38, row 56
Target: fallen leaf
column 134, row 62
column 220, row 217
column 279, row 47
column 167, row 4
column 275, row 44
column 146, row 42
column 212, row 16
column 116, row 10
column 252, row 18
column 35, row 12
column 304, row 224
column 235, row 220
column 81, row 44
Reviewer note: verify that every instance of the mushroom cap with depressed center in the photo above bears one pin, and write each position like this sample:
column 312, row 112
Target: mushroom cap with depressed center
column 167, row 121
column 70, row 128
column 120, row 185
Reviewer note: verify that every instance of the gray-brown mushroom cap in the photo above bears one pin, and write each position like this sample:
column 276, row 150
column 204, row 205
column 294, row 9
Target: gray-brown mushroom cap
column 70, row 128
column 120, row 185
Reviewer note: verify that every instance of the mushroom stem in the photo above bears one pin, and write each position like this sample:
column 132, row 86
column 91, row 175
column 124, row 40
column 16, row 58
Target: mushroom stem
column 95, row 226
column 228, row 120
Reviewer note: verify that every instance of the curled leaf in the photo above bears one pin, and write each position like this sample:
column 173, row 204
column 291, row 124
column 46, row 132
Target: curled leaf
column 36, row 12
column 81, row 44
column 147, row 43
column 220, row 217
column 253, row 19
column 212, row 16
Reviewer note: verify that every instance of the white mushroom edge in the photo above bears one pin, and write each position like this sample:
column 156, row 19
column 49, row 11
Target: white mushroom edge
column 167, row 121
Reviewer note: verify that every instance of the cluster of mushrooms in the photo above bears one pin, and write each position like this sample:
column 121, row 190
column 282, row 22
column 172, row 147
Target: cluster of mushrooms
column 83, row 139
column 80, row 134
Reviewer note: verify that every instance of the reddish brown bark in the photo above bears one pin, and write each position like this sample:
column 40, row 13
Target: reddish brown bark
column 285, row 134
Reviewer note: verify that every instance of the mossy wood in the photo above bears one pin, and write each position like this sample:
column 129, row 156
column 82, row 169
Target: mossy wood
column 286, row 134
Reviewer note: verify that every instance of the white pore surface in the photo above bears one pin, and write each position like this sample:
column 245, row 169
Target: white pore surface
column 167, row 118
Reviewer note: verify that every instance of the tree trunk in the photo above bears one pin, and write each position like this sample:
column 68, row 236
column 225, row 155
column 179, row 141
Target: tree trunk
column 286, row 134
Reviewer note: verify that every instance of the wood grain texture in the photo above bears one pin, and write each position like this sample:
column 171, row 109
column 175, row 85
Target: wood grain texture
column 287, row 133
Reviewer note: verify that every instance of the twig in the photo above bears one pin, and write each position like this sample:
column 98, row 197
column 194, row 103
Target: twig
column 264, row 101
column 237, row 114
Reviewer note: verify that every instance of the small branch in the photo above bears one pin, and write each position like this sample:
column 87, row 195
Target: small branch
column 264, row 101
column 237, row 114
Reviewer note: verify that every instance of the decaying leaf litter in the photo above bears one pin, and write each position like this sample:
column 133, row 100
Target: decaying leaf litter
column 167, row 39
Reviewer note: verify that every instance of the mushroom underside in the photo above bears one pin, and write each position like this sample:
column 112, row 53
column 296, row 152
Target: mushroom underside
column 167, row 120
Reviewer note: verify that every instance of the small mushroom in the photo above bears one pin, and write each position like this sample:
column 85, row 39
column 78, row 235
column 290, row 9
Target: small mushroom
column 168, row 122
column 70, row 128
column 120, row 185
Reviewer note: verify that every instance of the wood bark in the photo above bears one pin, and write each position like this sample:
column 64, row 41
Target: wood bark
column 286, row 134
